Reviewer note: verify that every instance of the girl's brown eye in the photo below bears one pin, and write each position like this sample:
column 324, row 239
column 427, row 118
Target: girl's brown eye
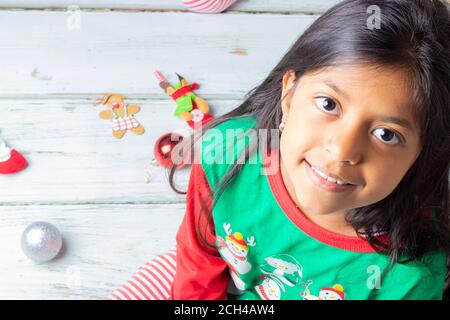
column 327, row 105
column 387, row 136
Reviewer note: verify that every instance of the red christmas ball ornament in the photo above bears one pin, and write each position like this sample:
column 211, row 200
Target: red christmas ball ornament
column 164, row 147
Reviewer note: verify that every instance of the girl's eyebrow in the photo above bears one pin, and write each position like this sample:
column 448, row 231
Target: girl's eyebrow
column 335, row 87
column 400, row 121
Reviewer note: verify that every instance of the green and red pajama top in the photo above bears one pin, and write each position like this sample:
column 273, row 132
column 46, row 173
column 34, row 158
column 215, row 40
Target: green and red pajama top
column 266, row 248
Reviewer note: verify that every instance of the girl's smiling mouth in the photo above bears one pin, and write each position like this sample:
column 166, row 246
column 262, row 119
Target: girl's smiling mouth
column 327, row 182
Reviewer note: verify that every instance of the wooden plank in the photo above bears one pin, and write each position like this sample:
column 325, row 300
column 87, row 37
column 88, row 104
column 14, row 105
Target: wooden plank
column 286, row 6
column 74, row 158
column 117, row 51
column 103, row 246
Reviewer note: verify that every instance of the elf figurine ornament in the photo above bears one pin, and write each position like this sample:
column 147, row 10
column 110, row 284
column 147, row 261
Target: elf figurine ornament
column 190, row 107
column 11, row 161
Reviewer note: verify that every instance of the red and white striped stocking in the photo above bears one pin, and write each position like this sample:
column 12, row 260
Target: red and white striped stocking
column 208, row 6
column 153, row 280
column 11, row 161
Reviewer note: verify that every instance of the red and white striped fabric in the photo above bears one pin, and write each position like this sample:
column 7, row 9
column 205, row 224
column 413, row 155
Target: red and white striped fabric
column 152, row 281
column 208, row 6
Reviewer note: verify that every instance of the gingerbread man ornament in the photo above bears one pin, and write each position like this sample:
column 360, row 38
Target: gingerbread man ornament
column 121, row 115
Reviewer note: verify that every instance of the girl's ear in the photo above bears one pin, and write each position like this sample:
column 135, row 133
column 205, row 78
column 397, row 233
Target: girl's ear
column 287, row 92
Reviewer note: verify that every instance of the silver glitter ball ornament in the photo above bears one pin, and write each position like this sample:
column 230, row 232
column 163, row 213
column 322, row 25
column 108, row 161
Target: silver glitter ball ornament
column 41, row 241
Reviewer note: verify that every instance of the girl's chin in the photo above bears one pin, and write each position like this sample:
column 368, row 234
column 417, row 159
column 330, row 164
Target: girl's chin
column 312, row 201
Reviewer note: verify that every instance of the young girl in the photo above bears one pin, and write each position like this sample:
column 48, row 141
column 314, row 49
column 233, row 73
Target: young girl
column 359, row 206
column 353, row 202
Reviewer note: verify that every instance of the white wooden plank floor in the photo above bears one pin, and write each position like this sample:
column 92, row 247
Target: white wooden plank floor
column 113, row 209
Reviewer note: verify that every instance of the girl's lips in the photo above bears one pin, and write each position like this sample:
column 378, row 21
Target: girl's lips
column 324, row 183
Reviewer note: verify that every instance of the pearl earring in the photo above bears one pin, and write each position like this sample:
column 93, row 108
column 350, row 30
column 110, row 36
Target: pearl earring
column 282, row 124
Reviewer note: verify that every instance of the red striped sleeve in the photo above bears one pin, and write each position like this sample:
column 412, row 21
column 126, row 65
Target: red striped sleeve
column 201, row 273
column 152, row 281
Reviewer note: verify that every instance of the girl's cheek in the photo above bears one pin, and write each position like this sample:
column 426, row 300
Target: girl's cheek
column 295, row 142
column 388, row 174
column 306, row 130
column 314, row 117
column 302, row 132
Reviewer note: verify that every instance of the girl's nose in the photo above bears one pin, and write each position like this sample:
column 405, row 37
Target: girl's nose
column 346, row 144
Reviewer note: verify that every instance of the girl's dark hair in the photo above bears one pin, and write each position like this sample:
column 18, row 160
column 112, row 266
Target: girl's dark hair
column 413, row 36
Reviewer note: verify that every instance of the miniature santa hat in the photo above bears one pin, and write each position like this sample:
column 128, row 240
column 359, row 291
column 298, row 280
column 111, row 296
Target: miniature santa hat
column 336, row 289
column 11, row 161
column 208, row 6
column 238, row 239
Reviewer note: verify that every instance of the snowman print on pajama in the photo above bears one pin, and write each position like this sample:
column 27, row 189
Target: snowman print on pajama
column 335, row 292
column 234, row 250
column 280, row 270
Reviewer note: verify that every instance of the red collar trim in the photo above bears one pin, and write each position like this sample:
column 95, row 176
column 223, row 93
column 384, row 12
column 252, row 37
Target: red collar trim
column 350, row 243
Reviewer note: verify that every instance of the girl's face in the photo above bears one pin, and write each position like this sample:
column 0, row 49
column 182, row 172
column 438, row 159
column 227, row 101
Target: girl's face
column 354, row 123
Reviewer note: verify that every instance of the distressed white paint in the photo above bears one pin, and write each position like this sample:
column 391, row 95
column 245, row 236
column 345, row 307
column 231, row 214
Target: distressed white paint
column 119, row 51
column 103, row 246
